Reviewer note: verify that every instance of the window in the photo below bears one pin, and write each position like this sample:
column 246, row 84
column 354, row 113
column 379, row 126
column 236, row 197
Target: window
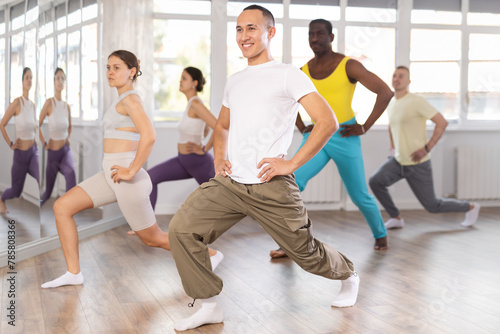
column 173, row 52
column 438, row 12
column 234, row 8
column 484, row 77
column 69, row 39
column 484, row 13
column 375, row 48
column 193, row 7
column 435, row 68
column 432, row 37
column 371, row 11
column 3, row 62
column 307, row 9
column 16, row 65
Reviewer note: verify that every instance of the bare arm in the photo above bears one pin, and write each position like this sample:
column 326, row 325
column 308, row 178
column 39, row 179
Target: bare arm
column 133, row 106
column 47, row 107
column 222, row 166
column 441, row 124
column 356, row 71
column 326, row 125
column 12, row 110
column 301, row 126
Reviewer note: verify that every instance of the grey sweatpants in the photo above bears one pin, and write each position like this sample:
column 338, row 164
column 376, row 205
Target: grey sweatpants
column 220, row 203
column 419, row 177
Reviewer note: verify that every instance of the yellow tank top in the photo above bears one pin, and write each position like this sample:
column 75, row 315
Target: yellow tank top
column 337, row 90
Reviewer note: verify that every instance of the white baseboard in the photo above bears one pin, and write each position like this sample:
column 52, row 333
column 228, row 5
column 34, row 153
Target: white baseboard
column 40, row 246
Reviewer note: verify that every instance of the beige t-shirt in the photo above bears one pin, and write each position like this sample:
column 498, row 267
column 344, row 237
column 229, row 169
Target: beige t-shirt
column 407, row 117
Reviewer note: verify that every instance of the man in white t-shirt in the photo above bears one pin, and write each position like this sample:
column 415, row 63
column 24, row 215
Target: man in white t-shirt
column 408, row 114
column 252, row 178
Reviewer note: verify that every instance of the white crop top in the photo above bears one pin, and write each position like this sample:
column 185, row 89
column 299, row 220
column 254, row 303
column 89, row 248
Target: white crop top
column 191, row 129
column 58, row 120
column 113, row 120
column 26, row 120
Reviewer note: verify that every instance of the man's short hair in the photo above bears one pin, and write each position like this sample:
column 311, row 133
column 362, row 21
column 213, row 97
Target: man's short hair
column 401, row 67
column 327, row 24
column 268, row 16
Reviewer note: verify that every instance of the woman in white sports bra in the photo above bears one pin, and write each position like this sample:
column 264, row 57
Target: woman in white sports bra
column 59, row 157
column 24, row 145
column 129, row 137
column 193, row 160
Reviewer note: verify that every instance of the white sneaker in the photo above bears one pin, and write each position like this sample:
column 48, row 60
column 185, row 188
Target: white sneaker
column 394, row 223
column 471, row 216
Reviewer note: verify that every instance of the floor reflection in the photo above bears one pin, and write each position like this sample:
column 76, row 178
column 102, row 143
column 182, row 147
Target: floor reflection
column 27, row 222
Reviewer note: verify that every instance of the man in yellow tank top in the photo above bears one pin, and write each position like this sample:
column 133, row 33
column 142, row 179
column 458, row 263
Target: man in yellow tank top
column 335, row 77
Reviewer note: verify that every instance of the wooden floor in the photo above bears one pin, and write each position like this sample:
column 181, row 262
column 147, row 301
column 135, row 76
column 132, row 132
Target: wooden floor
column 435, row 278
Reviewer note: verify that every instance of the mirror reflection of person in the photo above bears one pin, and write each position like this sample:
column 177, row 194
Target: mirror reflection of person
column 24, row 146
column 59, row 157
column 193, row 159
column 129, row 137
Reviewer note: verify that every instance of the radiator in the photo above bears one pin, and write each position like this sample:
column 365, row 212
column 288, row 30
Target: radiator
column 324, row 187
column 478, row 173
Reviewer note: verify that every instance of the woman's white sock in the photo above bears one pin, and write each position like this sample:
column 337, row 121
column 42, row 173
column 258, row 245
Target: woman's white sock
column 66, row 279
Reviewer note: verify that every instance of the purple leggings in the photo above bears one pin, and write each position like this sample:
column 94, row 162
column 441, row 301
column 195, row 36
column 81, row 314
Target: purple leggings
column 59, row 161
column 25, row 162
column 183, row 166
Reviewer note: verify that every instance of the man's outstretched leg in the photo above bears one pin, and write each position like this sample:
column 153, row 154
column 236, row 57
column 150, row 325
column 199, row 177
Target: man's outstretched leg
column 206, row 214
column 278, row 208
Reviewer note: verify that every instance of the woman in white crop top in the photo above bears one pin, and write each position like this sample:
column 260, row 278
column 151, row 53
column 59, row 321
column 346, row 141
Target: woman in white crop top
column 193, row 159
column 59, row 157
column 129, row 136
column 24, row 145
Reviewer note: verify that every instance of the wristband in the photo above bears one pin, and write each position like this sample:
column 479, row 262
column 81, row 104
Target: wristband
column 11, row 143
column 426, row 148
column 45, row 144
column 363, row 128
column 203, row 149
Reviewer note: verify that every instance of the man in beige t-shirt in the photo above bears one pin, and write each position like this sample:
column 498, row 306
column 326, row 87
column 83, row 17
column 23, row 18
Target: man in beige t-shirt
column 408, row 114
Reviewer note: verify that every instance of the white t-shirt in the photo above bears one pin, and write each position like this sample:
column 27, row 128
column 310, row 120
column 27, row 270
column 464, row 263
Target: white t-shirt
column 263, row 104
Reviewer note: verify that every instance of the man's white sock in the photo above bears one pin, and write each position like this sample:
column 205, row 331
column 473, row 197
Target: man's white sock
column 471, row 216
column 209, row 313
column 216, row 259
column 348, row 292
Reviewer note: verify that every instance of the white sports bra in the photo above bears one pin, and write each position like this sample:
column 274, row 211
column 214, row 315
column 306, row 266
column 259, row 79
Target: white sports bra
column 191, row 129
column 113, row 120
column 26, row 120
column 58, row 120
